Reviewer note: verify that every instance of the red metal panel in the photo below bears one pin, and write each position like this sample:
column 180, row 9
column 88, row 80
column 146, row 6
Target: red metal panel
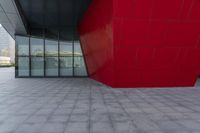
column 194, row 13
column 185, row 11
column 97, row 40
column 166, row 9
column 142, row 43
column 182, row 34
column 156, row 33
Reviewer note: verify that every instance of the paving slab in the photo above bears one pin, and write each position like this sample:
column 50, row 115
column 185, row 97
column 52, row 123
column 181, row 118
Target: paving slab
column 82, row 105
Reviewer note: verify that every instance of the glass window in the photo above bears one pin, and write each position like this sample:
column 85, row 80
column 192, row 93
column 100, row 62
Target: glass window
column 66, row 67
column 23, row 66
column 51, row 66
column 37, row 48
column 77, row 48
column 37, row 66
column 79, row 67
column 70, row 57
column 51, row 48
column 22, row 45
column 66, row 48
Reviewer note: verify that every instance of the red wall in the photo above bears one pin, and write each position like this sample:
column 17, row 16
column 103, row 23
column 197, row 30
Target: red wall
column 142, row 43
column 97, row 40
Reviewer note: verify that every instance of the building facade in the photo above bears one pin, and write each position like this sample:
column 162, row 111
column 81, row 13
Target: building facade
column 121, row 43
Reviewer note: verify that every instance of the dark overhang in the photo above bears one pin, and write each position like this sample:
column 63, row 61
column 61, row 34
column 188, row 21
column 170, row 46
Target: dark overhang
column 62, row 15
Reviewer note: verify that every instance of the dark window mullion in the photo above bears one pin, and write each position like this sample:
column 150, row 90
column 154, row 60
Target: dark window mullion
column 73, row 57
column 44, row 53
column 58, row 54
column 30, row 68
column 16, row 58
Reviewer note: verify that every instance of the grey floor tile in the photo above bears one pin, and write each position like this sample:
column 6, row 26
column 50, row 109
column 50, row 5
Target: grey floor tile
column 53, row 105
column 190, row 124
column 79, row 118
column 168, row 124
column 146, row 125
column 124, row 127
column 95, row 117
column 28, row 128
column 37, row 119
column 8, row 127
column 77, row 127
column 102, row 127
column 58, row 118
column 53, row 128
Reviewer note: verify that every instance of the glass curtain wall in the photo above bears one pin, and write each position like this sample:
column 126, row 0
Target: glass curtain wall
column 79, row 65
column 66, row 58
column 43, row 57
column 37, row 56
column 23, row 56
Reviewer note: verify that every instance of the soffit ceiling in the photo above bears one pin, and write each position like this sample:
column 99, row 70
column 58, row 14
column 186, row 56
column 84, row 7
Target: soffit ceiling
column 10, row 18
column 53, row 14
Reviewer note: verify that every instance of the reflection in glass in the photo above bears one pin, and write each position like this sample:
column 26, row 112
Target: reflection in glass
column 37, row 47
column 23, row 66
column 22, row 45
column 66, row 48
column 70, row 57
column 77, row 48
column 66, row 67
column 79, row 67
column 51, row 47
column 52, row 66
column 37, row 66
